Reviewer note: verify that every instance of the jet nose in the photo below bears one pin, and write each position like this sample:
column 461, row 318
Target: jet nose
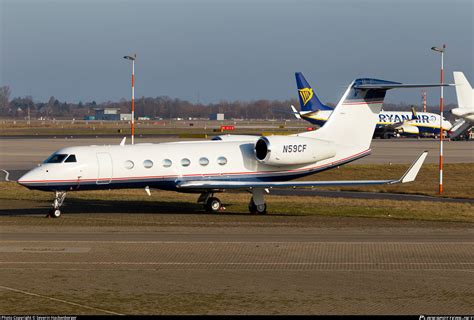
column 28, row 177
column 22, row 180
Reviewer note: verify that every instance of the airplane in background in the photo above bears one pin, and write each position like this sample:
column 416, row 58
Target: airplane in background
column 252, row 163
column 390, row 123
column 465, row 109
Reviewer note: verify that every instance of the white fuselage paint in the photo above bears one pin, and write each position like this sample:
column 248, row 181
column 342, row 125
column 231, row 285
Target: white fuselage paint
column 104, row 167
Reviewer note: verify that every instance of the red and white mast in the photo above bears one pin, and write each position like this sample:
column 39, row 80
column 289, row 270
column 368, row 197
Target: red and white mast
column 132, row 121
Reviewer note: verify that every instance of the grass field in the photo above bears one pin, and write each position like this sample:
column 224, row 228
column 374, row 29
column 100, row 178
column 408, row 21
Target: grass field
column 459, row 177
column 161, row 127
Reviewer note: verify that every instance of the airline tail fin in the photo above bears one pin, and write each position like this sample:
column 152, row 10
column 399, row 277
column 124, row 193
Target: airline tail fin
column 353, row 121
column 308, row 99
column 464, row 91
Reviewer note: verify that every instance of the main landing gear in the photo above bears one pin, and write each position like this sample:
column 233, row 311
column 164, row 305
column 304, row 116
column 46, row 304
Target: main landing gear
column 211, row 203
column 59, row 197
column 257, row 203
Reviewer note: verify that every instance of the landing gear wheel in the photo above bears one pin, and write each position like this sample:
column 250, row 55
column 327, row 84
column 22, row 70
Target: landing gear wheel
column 56, row 213
column 213, row 205
column 53, row 213
column 257, row 209
column 59, row 197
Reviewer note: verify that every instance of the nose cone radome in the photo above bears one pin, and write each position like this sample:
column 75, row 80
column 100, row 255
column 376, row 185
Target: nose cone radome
column 24, row 178
column 29, row 177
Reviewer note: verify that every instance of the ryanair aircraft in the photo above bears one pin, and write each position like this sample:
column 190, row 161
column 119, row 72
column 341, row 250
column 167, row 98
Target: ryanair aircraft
column 251, row 163
column 390, row 123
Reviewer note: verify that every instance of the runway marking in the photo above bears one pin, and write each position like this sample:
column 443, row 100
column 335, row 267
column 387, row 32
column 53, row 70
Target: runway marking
column 231, row 263
column 60, row 300
column 436, row 241
column 243, row 269
column 7, row 174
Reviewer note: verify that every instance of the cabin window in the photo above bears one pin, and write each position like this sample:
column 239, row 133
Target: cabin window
column 222, row 160
column 167, row 163
column 129, row 164
column 71, row 158
column 56, row 158
column 185, row 162
column 148, row 164
column 204, row 161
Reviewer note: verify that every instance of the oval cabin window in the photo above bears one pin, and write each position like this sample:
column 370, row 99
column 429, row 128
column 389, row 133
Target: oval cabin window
column 185, row 162
column 222, row 160
column 148, row 164
column 204, row 161
column 167, row 163
column 129, row 164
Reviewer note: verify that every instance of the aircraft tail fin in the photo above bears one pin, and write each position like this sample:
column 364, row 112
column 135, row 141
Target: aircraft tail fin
column 353, row 121
column 308, row 99
column 464, row 91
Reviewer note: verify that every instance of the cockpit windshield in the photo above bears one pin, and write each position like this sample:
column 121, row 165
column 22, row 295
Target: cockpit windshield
column 56, row 158
column 71, row 158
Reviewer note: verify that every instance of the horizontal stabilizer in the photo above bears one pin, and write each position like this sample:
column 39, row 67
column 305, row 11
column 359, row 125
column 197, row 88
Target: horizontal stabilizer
column 409, row 176
column 399, row 86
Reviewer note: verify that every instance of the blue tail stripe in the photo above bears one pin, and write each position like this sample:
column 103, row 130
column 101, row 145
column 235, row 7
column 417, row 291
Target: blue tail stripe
column 307, row 97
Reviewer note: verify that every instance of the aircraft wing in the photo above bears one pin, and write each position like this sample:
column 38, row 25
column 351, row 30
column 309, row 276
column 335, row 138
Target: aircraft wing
column 400, row 85
column 409, row 176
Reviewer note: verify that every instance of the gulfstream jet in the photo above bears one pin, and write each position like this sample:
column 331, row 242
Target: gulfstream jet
column 252, row 163
column 389, row 123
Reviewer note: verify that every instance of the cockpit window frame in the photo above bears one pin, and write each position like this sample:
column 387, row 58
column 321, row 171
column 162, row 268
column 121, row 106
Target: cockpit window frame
column 56, row 158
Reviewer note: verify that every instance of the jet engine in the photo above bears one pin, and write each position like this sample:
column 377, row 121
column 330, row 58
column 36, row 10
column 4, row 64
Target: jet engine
column 284, row 151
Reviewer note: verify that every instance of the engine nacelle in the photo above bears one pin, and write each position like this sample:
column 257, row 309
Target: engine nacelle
column 283, row 150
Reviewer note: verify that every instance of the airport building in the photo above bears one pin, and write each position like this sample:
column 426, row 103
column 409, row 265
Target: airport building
column 217, row 116
column 107, row 114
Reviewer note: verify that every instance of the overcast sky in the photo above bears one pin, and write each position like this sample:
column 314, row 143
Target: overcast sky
column 215, row 50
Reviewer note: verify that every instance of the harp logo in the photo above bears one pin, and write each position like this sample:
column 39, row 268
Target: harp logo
column 306, row 94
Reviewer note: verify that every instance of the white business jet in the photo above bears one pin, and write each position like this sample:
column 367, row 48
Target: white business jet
column 252, row 163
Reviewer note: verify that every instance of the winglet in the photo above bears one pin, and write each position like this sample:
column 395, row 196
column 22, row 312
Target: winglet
column 413, row 113
column 412, row 172
column 295, row 112
column 122, row 143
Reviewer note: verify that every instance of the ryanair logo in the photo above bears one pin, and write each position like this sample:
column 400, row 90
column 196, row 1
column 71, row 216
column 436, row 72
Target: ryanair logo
column 306, row 94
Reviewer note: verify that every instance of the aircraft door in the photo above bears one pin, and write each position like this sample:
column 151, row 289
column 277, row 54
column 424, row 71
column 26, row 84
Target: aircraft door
column 105, row 168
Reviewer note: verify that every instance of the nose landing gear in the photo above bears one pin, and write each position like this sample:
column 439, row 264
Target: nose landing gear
column 59, row 197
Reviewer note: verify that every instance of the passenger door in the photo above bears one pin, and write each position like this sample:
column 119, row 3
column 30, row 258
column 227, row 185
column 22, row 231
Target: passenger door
column 105, row 168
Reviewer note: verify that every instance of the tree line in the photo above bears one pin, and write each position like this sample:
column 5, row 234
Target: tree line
column 157, row 107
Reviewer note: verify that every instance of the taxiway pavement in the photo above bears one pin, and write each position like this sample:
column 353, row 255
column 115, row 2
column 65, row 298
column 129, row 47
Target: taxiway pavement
column 198, row 265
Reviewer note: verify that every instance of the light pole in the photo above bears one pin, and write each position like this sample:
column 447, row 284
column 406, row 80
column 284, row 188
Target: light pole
column 441, row 110
column 132, row 122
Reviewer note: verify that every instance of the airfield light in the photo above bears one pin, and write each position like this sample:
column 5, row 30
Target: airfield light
column 132, row 122
column 441, row 110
